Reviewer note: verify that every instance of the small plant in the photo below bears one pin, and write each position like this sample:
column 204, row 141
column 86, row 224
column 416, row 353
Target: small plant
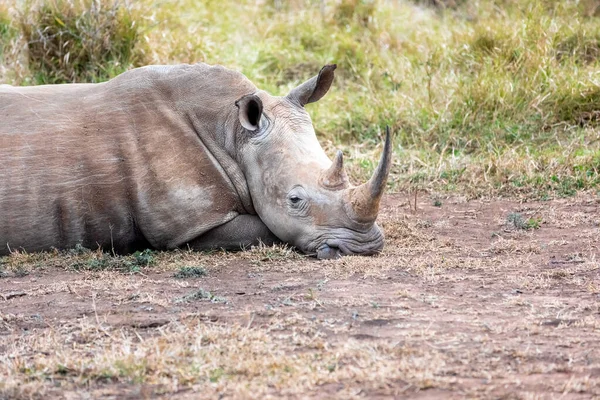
column 533, row 223
column 201, row 294
column 517, row 221
column 98, row 261
column 143, row 258
column 190, row 272
column 216, row 374
column 79, row 250
column 437, row 203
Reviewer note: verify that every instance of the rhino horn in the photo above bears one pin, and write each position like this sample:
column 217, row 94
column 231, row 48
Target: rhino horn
column 335, row 177
column 314, row 88
column 364, row 199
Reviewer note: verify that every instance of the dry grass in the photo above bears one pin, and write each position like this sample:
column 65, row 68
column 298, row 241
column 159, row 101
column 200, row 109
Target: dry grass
column 194, row 356
column 444, row 311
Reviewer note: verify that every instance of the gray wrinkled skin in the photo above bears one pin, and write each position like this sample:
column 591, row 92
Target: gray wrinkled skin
column 278, row 175
column 171, row 156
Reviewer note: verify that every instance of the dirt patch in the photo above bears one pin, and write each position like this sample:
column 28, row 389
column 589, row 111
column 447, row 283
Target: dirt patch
column 464, row 302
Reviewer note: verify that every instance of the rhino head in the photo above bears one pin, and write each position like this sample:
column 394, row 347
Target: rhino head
column 303, row 197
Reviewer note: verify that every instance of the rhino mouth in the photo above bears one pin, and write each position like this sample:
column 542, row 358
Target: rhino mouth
column 356, row 243
column 328, row 253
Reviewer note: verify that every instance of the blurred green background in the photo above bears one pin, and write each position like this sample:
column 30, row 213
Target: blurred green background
column 486, row 98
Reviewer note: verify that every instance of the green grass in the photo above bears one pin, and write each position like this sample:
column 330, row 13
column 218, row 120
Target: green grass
column 5, row 24
column 79, row 40
column 485, row 98
column 7, row 33
column 517, row 221
column 190, row 272
column 98, row 261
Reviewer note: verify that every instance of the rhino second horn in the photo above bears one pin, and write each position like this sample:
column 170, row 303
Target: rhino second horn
column 335, row 176
column 364, row 199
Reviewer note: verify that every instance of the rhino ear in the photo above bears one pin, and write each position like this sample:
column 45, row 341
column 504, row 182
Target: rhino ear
column 314, row 88
column 250, row 110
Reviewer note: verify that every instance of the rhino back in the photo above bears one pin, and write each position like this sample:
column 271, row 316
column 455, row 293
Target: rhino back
column 117, row 164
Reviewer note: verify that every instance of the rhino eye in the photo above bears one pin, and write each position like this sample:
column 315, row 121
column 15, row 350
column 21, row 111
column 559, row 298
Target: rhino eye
column 296, row 201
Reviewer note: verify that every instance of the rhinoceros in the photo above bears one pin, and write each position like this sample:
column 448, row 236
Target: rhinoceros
column 191, row 156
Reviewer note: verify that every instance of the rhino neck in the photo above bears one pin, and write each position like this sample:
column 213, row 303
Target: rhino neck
column 214, row 140
column 206, row 96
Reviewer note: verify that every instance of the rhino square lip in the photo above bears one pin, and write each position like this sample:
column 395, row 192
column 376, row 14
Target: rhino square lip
column 333, row 249
column 347, row 242
column 326, row 252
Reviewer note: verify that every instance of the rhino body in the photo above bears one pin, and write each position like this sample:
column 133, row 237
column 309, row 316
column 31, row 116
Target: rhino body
column 165, row 157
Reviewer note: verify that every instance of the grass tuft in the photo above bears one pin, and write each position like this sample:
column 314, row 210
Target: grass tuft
column 6, row 28
column 99, row 261
column 190, row 272
column 517, row 221
column 201, row 294
column 80, row 40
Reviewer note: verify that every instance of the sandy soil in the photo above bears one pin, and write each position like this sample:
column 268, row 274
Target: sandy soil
column 462, row 303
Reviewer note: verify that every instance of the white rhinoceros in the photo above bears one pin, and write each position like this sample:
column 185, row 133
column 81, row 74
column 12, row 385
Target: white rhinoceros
column 177, row 156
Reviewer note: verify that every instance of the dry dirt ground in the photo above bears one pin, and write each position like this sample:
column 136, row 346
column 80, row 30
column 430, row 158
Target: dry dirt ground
column 479, row 299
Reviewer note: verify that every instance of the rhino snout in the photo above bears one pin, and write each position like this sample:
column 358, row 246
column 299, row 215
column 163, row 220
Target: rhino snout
column 328, row 253
column 349, row 242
